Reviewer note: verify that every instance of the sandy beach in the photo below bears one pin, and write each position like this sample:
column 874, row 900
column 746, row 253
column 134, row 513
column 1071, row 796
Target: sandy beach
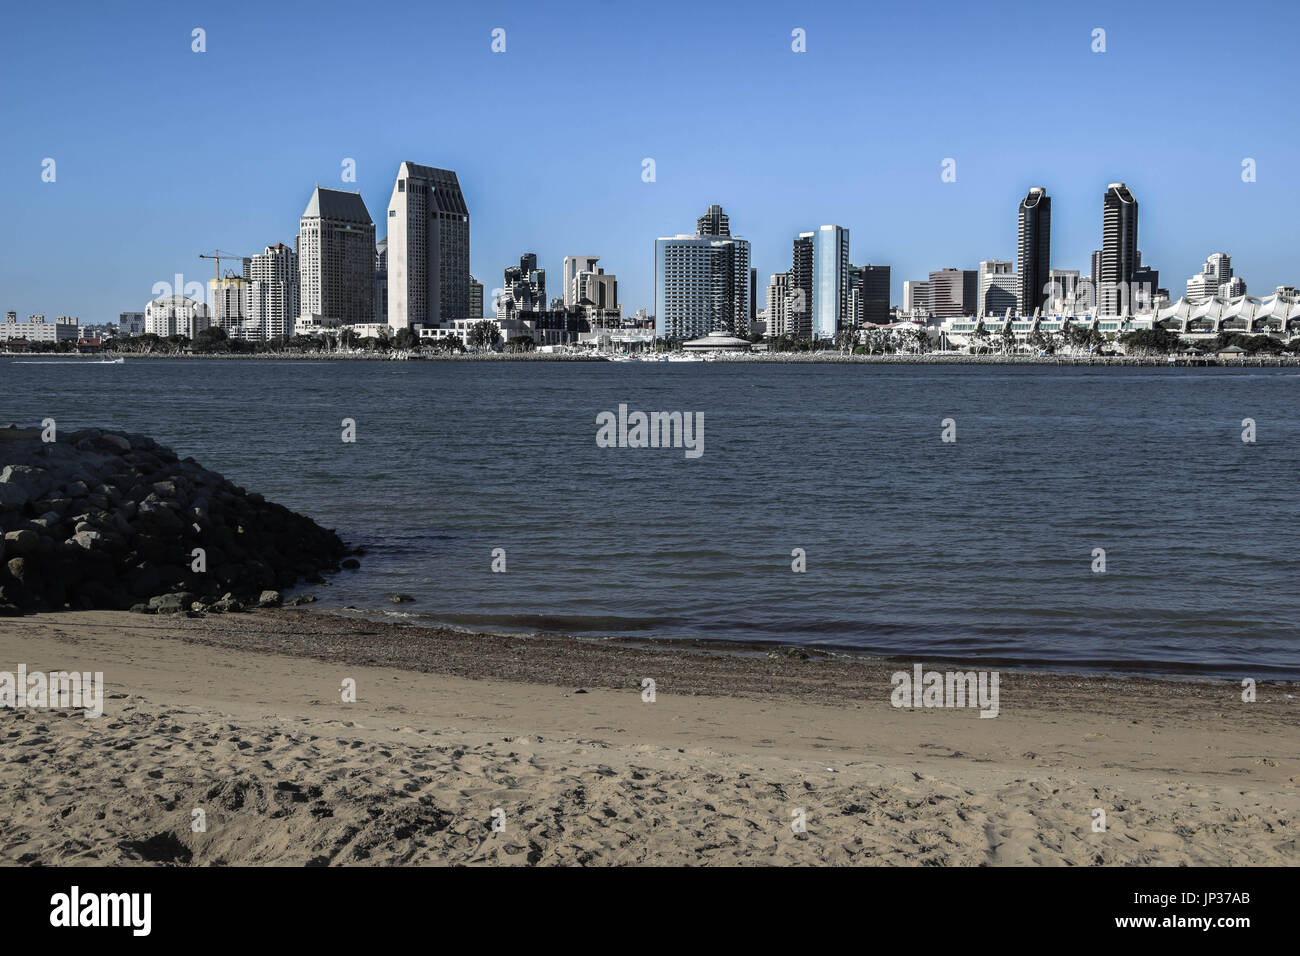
column 242, row 717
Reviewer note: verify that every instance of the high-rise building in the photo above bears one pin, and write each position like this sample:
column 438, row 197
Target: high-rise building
column 273, row 293
column 336, row 260
column 799, row 312
column 475, row 298
column 872, row 285
column 778, row 303
column 428, row 248
column 916, row 298
column 1034, row 251
column 713, row 223
column 573, row 267
column 999, row 288
column 230, row 298
column 954, row 293
column 1119, row 251
column 1216, row 271
column 702, row 280
column 830, row 303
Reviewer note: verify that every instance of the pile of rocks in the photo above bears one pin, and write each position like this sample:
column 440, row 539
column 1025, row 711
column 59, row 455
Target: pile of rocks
column 104, row 519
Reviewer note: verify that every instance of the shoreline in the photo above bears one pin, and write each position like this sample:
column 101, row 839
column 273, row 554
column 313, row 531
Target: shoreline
column 778, row 358
column 241, row 715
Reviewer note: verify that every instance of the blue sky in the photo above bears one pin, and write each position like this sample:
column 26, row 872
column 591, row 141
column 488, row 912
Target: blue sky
column 163, row 153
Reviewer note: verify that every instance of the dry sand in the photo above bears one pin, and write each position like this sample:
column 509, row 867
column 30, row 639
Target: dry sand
column 241, row 716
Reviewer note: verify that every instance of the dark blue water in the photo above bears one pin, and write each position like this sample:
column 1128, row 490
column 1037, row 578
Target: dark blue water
column 981, row 548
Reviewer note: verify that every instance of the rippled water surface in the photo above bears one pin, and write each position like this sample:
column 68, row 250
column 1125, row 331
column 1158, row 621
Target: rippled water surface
column 982, row 547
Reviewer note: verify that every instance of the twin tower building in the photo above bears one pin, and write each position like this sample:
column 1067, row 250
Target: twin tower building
column 418, row 275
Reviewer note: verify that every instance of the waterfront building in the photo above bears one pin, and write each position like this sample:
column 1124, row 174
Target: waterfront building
column 336, row 260
column 869, row 295
column 778, row 304
column 170, row 315
column 830, row 302
column 428, row 248
column 272, row 293
column 1033, row 251
column 229, row 299
column 37, row 329
column 702, row 280
column 1119, row 251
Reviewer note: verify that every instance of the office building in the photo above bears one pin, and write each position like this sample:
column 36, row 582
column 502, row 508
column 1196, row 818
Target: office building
column 999, row 288
column 954, row 292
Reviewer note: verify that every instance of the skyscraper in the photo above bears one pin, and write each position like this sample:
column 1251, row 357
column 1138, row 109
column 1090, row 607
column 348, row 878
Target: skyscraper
column 830, row 304
column 799, row 313
column 1119, row 255
column 428, row 248
column 874, row 288
column 778, row 302
column 336, row 260
column 1034, row 251
column 702, row 280
column 273, row 292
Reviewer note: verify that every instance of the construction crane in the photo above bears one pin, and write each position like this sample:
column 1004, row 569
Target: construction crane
column 219, row 255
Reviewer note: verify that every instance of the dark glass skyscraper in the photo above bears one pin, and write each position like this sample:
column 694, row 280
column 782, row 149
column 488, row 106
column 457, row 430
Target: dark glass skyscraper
column 1034, row 251
column 1119, row 251
column 874, row 293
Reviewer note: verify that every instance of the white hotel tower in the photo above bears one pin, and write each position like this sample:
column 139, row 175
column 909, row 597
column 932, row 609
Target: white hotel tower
column 428, row 248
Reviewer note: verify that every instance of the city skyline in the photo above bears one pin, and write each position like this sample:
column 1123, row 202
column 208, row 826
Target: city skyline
column 883, row 183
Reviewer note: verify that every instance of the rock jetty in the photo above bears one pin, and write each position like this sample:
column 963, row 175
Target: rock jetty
column 105, row 519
